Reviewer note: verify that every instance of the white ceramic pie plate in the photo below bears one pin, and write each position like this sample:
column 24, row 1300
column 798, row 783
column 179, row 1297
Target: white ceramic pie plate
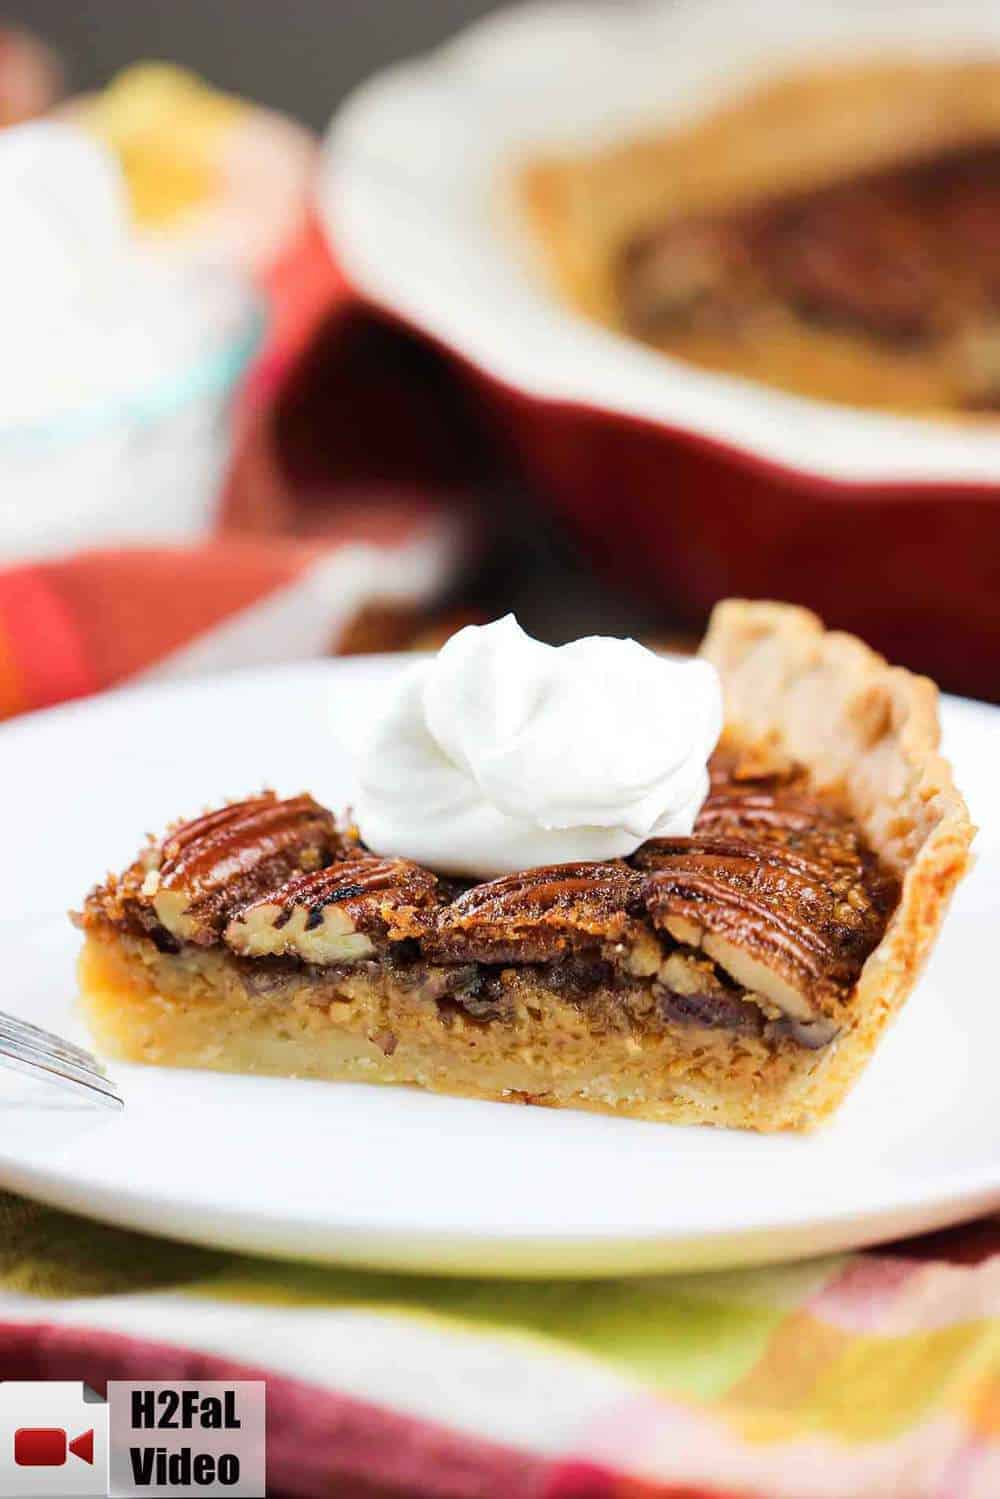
column 393, row 1177
column 414, row 194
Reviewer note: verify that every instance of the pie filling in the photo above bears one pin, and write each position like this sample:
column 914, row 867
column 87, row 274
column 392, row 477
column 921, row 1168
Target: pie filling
column 732, row 953
column 905, row 259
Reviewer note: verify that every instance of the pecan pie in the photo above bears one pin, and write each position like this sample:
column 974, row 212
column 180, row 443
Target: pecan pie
column 835, row 234
column 739, row 976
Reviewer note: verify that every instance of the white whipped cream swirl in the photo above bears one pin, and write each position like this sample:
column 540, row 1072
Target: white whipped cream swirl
column 501, row 753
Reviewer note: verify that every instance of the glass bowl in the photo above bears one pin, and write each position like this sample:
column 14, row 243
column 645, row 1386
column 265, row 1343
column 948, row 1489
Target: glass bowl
column 142, row 463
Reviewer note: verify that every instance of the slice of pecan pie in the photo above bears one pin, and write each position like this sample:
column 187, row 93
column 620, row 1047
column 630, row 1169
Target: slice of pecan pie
column 741, row 976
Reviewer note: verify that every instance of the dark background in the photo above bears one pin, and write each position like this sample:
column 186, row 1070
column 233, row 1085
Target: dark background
column 298, row 55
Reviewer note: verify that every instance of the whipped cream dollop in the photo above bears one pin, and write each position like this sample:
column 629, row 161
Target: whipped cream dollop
column 501, row 753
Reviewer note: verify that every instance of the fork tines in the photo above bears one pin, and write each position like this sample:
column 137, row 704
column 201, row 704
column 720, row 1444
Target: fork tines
column 38, row 1053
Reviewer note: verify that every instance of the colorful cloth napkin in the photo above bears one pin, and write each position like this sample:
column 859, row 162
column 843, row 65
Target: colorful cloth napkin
column 868, row 1376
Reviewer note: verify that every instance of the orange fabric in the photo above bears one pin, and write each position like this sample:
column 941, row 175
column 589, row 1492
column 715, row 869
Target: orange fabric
column 12, row 687
column 134, row 607
column 48, row 661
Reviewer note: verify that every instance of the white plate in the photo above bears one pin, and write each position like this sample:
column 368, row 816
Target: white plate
column 394, row 1177
column 414, row 194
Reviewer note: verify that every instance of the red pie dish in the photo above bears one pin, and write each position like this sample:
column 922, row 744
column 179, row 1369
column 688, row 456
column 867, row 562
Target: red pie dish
column 684, row 481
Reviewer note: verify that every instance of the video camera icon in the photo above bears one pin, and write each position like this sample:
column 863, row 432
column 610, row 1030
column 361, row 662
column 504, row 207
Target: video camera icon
column 53, row 1440
column 49, row 1446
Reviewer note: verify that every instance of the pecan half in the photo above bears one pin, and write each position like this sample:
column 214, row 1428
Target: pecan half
column 792, row 929
column 854, row 256
column 338, row 914
column 784, row 817
column 207, row 868
column 541, row 914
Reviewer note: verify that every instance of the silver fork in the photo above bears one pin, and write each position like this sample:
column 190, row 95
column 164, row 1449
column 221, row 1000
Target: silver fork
column 27, row 1048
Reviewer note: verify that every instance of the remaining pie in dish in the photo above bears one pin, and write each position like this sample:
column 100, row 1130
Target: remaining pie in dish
column 740, row 976
column 835, row 234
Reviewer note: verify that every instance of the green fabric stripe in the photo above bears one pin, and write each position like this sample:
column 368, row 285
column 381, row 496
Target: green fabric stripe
column 692, row 1344
column 692, row 1337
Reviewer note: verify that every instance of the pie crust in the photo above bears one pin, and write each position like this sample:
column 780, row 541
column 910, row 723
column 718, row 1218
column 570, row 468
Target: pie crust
column 869, row 732
column 740, row 977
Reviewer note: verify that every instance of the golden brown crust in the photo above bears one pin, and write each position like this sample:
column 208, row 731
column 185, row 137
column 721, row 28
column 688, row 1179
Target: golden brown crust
column 867, row 732
column 863, row 729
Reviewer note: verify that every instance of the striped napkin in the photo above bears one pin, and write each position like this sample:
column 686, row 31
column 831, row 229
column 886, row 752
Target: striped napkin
column 868, row 1376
